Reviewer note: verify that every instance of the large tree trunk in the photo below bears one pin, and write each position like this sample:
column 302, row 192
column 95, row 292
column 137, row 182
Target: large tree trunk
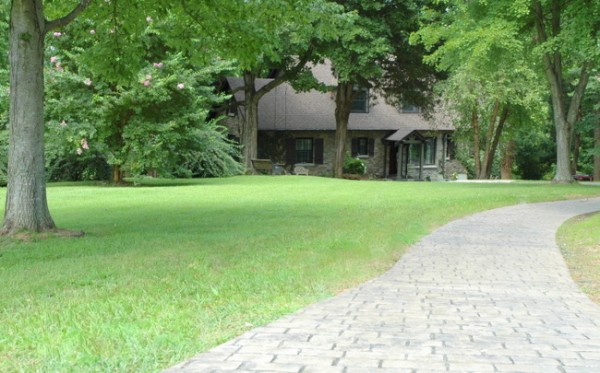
column 494, row 134
column 476, row 142
column 116, row 174
column 563, row 151
column 249, row 133
column 508, row 158
column 343, row 107
column 576, row 146
column 564, row 115
column 597, row 154
column 26, row 205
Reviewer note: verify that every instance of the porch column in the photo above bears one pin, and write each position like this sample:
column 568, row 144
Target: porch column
column 444, row 151
column 385, row 155
column 400, row 159
column 421, row 161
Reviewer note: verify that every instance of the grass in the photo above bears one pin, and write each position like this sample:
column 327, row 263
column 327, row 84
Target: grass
column 579, row 240
column 172, row 268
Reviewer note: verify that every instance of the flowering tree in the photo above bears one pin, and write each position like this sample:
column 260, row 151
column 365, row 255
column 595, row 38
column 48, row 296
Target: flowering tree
column 155, row 122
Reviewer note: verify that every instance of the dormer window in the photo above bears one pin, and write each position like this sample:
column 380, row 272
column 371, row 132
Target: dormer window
column 360, row 103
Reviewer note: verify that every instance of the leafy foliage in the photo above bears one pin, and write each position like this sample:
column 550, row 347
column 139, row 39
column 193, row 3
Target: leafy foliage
column 155, row 123
column 584, row 129
column 354, row 166
column 490, row 71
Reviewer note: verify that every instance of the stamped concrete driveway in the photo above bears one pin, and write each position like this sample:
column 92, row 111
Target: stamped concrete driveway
column 487, row 293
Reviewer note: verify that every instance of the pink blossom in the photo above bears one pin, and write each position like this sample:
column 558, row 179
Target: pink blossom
column 53, row 59
column 59, row 67
column 79, row 151
column 146, row 83
column 158, row 65
column 84, row 144
column 57, row 34
column 181, row 86
column 87, row 82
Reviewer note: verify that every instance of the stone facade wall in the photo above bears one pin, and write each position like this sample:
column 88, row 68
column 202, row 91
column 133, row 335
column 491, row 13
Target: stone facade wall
column 272, row 145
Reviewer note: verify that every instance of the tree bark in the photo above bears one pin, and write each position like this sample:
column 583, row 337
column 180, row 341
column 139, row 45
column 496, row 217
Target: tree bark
column 26, row 204
column 576, row 147
column 343, row 107
column 249, row 133
column 508, row 158
column 476, row 142
column 597, row 154
column 117, row 174
column 494, row 134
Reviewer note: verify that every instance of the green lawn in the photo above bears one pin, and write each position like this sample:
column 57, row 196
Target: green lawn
column 579, row 240
column 171, row 269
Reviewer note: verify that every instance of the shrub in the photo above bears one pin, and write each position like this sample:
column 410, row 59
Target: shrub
column 354, row 166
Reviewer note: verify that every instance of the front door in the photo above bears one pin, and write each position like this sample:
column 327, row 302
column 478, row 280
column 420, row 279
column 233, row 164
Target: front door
column 393, row 159
column 414, row 157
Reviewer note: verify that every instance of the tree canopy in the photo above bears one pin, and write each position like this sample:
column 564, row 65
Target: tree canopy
column 492, row 80
column 509, row 44
column 375, row 54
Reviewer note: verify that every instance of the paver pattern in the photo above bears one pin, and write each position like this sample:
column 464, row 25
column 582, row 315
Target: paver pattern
column 487, row 293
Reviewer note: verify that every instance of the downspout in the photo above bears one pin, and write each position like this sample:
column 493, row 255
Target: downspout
column 385, row 155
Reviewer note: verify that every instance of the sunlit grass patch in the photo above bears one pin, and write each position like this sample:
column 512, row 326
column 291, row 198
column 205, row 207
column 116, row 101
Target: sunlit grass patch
column 172, row 268
column 579, row 240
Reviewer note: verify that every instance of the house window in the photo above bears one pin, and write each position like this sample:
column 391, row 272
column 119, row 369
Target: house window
column 430, row 151
column 414, row 152
column 407, row 108
column 304, row 150
column 363, row 146
column 360, row 103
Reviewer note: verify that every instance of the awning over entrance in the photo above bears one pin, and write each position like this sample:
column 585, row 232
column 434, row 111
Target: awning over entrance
column 404, row 133
column 403, row 139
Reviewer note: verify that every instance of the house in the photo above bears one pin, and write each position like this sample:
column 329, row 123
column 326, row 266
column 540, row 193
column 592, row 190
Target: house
column 298, row 128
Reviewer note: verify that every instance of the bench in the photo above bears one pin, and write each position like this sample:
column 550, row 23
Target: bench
column 299, row 170
column 266, row 166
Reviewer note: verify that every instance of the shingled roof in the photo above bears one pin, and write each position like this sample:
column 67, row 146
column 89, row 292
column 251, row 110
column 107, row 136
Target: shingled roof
column 285, row 109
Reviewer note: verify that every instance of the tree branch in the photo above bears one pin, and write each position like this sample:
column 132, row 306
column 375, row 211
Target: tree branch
column 539, row 23
column 287, row 74
column 63, row 21
column 578, row 94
